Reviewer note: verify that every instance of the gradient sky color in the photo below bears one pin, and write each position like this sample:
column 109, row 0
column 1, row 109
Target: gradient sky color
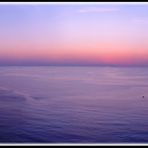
column 96, row 34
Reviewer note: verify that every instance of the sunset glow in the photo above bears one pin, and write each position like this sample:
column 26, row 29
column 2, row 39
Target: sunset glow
column 83, row 34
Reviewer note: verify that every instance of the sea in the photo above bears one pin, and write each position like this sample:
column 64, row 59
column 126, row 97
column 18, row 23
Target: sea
column 63, row 104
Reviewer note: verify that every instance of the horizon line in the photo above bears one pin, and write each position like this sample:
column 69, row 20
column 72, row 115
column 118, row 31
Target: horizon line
column 73, row 65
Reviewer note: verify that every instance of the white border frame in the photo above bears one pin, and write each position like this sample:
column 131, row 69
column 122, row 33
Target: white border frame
column 73, row 3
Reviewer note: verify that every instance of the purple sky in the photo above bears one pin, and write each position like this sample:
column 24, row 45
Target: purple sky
column 81, row 34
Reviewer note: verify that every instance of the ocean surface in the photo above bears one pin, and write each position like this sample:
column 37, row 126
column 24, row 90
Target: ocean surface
column 73, row 104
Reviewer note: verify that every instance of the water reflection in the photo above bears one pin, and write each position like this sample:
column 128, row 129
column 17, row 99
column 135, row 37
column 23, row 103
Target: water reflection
column 66, row 104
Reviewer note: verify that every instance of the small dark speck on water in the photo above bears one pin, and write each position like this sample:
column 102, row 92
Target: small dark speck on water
column 142, row 96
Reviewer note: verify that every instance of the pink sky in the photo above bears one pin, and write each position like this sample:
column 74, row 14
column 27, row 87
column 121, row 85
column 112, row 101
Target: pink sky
column 91, row 34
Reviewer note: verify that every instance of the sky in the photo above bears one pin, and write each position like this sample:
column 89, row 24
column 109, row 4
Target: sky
column 74, row 34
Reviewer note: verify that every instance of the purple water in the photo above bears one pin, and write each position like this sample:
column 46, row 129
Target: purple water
column 73, row 105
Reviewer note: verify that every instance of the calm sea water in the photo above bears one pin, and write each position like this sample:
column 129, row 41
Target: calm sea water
column 73, row 105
